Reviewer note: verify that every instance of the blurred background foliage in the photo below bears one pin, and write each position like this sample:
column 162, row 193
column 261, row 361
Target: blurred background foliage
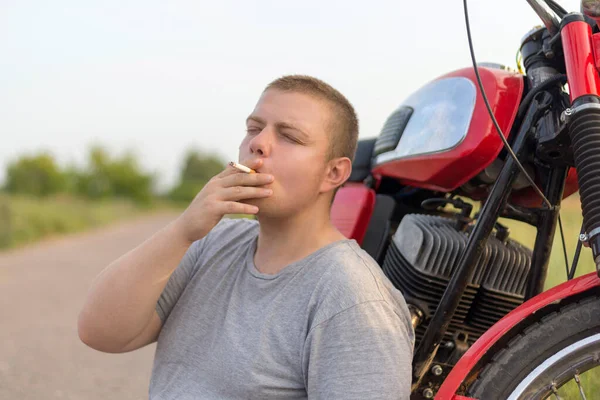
column 40, row 198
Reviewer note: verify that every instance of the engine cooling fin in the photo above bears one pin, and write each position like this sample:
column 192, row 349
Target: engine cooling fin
column 420, row 261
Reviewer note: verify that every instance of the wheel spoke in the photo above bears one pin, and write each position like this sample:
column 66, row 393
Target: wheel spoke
column 579, row 386
column 556, row 396
column 565, row 365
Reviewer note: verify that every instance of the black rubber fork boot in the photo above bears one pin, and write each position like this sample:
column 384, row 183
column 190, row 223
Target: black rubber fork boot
column 584, row 129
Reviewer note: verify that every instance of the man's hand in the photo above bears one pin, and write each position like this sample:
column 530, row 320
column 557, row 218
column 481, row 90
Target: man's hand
column 222, row 195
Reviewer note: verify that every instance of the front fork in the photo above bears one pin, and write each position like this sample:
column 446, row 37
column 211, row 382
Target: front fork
column 582, row 59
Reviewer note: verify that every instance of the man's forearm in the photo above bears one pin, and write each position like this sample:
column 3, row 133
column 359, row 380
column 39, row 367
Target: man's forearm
column 123, row 297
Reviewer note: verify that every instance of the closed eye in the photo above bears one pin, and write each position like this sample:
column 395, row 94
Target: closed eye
column 291, row 138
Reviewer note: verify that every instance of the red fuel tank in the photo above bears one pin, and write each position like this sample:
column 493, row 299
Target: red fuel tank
column 442, row 135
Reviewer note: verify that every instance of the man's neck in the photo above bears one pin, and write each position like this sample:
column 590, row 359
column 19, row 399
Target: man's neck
column 284, row 241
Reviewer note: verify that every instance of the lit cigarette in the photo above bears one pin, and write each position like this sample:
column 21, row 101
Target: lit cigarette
column 242, row 168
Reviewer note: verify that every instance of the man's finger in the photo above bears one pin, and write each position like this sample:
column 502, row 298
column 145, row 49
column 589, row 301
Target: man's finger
column 243, row 179
column 232, row 207
column 237, row 193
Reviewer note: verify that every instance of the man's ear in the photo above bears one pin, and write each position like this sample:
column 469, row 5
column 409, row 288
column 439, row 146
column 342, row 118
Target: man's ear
column 337, row 172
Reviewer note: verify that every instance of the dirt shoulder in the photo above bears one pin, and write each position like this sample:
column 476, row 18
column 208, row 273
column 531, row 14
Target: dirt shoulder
column 42, row 288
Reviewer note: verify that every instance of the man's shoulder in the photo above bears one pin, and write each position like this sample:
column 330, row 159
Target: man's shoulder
column 349, row 267
column 351, row 277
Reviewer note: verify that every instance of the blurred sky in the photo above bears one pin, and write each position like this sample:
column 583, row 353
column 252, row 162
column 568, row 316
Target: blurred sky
column 159, row 77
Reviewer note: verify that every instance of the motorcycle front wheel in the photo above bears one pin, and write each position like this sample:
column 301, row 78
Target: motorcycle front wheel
column 557, row 357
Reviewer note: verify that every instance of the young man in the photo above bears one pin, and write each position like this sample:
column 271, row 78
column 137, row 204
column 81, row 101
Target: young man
column 282, row 308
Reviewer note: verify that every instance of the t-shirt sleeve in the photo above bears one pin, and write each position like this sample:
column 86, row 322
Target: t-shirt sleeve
column 178, row 281
column 364, row 352
column 190, row 262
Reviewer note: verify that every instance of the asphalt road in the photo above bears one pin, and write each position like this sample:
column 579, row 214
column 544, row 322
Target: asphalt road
column 42, row 288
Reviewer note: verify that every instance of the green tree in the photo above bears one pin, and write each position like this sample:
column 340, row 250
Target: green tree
column 36, row 175
column 114, row 177
column 200, row 167
column 197, row 169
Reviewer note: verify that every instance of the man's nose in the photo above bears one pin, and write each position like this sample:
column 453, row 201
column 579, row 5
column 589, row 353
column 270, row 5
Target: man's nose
column 261, row 143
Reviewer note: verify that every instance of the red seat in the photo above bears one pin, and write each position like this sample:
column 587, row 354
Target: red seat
column 352, row 209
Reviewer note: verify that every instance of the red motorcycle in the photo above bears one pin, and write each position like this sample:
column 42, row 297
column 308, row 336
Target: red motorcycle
column 519, row 143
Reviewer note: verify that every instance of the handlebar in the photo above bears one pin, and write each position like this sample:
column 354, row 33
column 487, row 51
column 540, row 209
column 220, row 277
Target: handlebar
column 547, row 15
column 551, row 13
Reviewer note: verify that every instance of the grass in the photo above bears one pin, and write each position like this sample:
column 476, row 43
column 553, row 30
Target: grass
column 24, row 220
column 571, row 219
column 590, row 383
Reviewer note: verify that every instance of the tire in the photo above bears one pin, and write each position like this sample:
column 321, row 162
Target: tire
column 548, row 348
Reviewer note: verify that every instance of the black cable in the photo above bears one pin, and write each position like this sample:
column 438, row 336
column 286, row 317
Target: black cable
column 576, row 257
column 562, row 237
column 557, row 8
column 545, row 85
column 489, row 108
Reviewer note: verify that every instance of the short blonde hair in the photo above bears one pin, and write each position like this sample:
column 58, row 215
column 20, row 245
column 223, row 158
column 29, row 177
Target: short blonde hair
column 343, row 122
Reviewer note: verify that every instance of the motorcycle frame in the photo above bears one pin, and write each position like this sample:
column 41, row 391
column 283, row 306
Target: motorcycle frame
column 491, row 211
column 579, row 46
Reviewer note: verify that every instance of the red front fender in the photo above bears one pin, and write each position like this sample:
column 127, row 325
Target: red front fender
column 503, row 327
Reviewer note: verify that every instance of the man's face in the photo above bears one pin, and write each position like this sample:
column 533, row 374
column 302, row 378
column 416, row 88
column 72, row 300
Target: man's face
column 287, row 131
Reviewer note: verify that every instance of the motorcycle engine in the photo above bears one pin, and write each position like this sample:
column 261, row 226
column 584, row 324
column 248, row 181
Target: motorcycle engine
column 420, row 260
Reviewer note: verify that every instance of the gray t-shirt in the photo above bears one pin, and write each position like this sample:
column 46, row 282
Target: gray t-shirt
column 330, row 326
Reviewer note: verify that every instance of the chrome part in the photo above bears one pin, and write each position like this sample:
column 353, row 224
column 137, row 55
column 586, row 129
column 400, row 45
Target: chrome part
column 582, row 107
column 548, row 17
column 593, row 233
column 437, row 370
column 583, row 238
column 428, row 393
column 583, row 346
column 416, row 315
column 569, row 112
column 443, row 110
